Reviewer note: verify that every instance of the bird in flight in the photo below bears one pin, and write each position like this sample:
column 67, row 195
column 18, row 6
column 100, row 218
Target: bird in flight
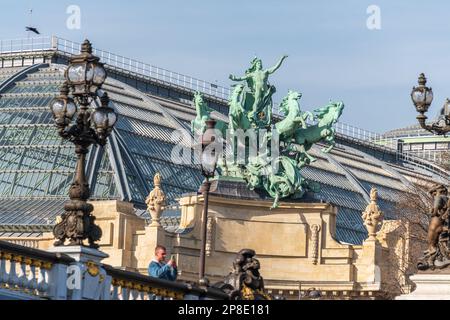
column 32, row 29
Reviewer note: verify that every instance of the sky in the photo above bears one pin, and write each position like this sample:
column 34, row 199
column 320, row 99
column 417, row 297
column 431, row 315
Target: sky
column 332, row 53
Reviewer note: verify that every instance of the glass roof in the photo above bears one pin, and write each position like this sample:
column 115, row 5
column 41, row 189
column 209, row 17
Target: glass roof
column 36, row 162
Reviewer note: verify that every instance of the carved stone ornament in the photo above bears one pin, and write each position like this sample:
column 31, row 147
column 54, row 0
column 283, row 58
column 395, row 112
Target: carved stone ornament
column 315, row 231
column 156, row 201
column 372, row 216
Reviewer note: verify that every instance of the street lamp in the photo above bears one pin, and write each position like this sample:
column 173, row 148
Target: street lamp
column 422, row 97
column 209, row 165
column 84, row 77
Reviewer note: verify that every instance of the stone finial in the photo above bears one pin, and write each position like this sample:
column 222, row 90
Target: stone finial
column 372, row 216
column 156, row 201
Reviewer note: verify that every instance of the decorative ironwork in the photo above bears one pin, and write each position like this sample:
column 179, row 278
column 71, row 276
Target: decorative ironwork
column 209, row 164
column 84, row 77
column 422, row 97
column 245, row 282
column 209, row 236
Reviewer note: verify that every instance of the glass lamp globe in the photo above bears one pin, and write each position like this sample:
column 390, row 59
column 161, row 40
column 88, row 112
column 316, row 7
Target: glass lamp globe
column 209, row 163
column 63, row 108
column 104, row 118
column 422, row 96
column 85, row 74
column 209, row 155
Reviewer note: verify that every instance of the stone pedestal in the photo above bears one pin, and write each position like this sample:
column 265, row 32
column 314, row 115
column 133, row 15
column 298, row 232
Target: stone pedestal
column 370, row 264
column 85, row 279
column 81, row 254
column 429, row 286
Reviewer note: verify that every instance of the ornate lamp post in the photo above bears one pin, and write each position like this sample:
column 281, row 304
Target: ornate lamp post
column 209, row 165
column 422, row 97
column 84, row 77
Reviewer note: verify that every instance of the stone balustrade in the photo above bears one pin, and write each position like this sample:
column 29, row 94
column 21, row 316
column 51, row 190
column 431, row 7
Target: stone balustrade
column 29, row 243
column 27, row 273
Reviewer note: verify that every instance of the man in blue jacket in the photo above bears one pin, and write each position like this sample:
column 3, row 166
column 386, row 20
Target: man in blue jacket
column 161, row 270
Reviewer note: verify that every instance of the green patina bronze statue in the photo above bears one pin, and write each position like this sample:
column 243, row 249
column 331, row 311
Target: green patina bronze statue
column 258, row 102
column 198, row 125
column 283, row 148
column 324, row 130
column 237, row 115
column 293, row 116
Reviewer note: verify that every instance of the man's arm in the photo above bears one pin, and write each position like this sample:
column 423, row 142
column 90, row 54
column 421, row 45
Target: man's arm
column 173, row 273
column 277, row 66
column 157, row 271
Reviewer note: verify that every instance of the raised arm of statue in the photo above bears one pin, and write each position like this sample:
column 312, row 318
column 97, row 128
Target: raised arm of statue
column 233, row 78
column 277, row 66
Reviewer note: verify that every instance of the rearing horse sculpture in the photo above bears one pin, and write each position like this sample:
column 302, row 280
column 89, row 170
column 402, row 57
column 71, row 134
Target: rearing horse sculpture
column 198, row 125
column 305, row 138
column 238, row 115
column 294, row 117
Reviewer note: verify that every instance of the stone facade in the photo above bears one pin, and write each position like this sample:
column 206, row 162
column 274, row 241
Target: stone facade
column 296, row 247
column 294, row 243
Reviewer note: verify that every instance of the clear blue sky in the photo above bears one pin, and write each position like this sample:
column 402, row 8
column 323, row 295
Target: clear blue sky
column 332, row 54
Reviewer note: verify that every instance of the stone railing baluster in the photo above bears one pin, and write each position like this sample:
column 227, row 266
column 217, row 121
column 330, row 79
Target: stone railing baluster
column 43, row 280
column 32, row 280
column 115, row 291
column 4, row 276
column 134, row 294
column 23, row 280
column 13, row 280
column 125, row 293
